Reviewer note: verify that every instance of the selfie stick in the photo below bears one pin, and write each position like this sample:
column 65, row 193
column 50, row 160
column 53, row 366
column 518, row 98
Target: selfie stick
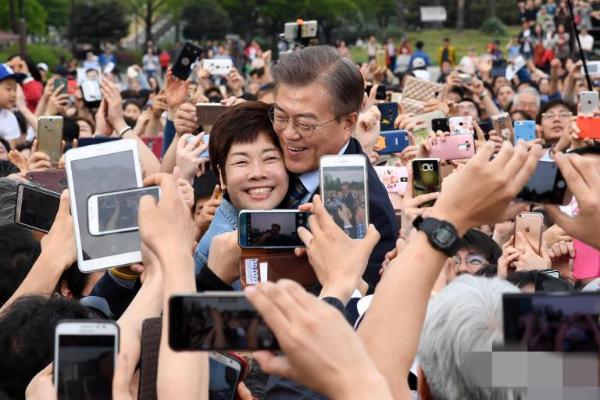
column 581, row 55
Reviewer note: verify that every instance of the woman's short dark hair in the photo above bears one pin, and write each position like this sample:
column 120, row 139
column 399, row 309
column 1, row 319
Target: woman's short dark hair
column 241, row 123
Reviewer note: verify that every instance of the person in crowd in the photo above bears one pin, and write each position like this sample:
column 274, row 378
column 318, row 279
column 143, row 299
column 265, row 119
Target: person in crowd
column 9, row 126
column 446, row 52
column 107, row 57
column 527, row 100
column 420, row 53
column 150, row 62
column 31, row 82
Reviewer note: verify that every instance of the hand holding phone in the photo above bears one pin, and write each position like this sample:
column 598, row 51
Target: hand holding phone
column 531, row 226
column 182, row 68
column 270, row 229
column 524, row 130
column 426, row 177
column 36, row 208
column 49, row 135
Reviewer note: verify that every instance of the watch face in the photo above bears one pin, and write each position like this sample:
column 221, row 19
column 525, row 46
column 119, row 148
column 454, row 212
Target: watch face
column 444, row 236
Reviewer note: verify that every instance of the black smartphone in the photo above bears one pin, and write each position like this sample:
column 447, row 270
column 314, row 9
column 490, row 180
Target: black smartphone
column 217, row 321
column 224, row 376
column 271, row 229
column 381, row 92
column 426, row 177
column 36, row 207
column 187, row 57
column 549, row 281
column 440, row 124
column 563, row 322
column 546, row 186
column 389, row 113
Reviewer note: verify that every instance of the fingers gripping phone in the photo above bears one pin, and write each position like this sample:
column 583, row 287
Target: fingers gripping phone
column 217, row 321
column 224, row 376
column 49, row 135
column 117, row 211
column 426, row 177
column 531, row 225
column 187, row 57
column 503, row 125
column 36, row 207
column 270, row 229
column 344, row 188
column 85, row 354
column 588, row 101
column 524, row 130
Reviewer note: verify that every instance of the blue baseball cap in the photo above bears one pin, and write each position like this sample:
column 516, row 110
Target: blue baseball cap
column 6, row 72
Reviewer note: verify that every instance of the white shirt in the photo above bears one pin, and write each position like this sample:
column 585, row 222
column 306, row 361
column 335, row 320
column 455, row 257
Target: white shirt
column 311, row 179
column 9, row 127
column 587, row 42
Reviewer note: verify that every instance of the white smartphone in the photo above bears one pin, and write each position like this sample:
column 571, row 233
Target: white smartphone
column 588, row 101
column 91, row 92
column 344, row 190
column 218, row 67
column 102, row 168
column 117, row 211
column 85, row 355
column 224, row 376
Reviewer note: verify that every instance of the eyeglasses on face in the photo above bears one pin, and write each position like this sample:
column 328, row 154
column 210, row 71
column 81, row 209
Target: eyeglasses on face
column 473, row 260
column 280, row 121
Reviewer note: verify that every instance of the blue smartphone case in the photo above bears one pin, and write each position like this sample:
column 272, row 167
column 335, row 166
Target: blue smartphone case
column 524, row 130
column 395, row 141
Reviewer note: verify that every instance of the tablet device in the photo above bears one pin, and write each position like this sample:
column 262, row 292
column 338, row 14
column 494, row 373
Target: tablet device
column 101, row 168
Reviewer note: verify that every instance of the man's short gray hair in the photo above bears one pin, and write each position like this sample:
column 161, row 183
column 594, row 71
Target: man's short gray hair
column 8, row 200
column 465, row 317
column 528, row 90
column 322, row 64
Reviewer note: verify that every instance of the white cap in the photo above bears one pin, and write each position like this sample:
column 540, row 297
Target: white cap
column 422, row 74
column 418, row 63
column 43, row 66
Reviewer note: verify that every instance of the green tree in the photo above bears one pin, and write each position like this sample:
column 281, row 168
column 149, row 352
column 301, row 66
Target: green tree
column 58, row 12
column 98, row 21
column 205, row 19
column 151, row 10
column 35, row 16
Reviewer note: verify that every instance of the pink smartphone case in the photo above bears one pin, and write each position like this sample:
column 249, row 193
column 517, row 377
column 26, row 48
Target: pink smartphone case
column 455, row 147
column 587, row 261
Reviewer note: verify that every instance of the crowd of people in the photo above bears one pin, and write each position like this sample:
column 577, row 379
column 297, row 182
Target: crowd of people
column 401, row 312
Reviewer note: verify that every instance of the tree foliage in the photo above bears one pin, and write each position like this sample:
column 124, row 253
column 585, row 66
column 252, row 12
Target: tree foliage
column 98, row 21
column 205, row 19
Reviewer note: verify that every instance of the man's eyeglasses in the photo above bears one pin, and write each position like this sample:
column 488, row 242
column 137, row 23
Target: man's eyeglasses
column 280, row 122
column 561, row 115
column 474, row 260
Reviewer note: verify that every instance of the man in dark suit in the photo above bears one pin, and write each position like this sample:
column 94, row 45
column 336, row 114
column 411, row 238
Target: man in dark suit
column 318, row 97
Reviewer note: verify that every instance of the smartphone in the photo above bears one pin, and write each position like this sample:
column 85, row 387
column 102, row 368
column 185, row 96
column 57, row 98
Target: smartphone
column 117, row 211
column 440, row 124
column 394, row 141
column 588, row 101
column 395, row 179
column 58, row 82
column 589, row 127
column 531, row 225
column 224, row 376
column 217, row 321
column 208, row 113
column 380, row 94
column 503, row 125
column 185, row 60
column 389, row 113
column 344, row 189
column 91, row 93
column 270, row 229
column 524, row 130
column 36, row 208
column 205, row 139
column 218, row 67
column 85, row 355
column 54, row 180
column 461, row 126
column 546, row 185
column 49, row 135
column 465, row 79
column 380, row 59
column 426, row 177
column 454, row 147
column 586, row 264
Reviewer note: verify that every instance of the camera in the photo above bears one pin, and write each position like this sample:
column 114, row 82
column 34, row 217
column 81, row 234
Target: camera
column 300, row 31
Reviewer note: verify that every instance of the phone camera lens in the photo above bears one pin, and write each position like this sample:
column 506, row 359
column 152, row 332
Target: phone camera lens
column 560, row 184
column 185, row 61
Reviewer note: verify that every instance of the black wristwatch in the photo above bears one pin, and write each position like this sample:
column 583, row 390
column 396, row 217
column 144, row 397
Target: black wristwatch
column 442, row 235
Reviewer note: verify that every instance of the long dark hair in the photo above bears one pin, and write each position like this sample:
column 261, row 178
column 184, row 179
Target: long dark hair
column 35, row 74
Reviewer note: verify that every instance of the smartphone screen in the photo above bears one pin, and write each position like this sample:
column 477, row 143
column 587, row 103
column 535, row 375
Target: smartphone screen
column 426, row 177
column 217, row 321
column 271, row 229
column 102, row 174
column 86, row 365
column 345, row 196
column 118, row 211
column 546, row 185
column 224, row 376
column 36, row 208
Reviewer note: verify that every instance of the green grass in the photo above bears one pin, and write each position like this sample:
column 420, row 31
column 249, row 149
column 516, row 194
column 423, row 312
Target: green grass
column 462, row 41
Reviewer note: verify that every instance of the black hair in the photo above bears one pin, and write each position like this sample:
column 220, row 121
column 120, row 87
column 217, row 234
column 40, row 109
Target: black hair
column 24, row 146
column 7, row 168
column 419, row 45
column 70, row 129
column 470, row 100
column 27, row 338
column 5, row 143
column 477, row 240
column 21, row 121
column 556, row 103
column 18, row 252
column 522, row 278
column 487, row 271
column 75, row 281
column 594, row 149
column 33, row 70
column 204, row 185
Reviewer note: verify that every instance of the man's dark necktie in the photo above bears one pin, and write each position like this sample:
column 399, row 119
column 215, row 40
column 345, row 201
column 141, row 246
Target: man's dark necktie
column 296, row 193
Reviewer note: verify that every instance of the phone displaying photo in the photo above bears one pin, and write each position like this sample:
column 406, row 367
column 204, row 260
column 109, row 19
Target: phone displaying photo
column 531, row 225
column 556, row 322
column 117, row 211
column 389, row 113
column 49, row 136
column 182, row 68
column 271, row 229
column 524, row 130
column 36, row 208
column 91, row 93
column 224, row 376
column 344, row 190
column 426, row 177
column 85, row 354
column 217, row 321
column 546, row 185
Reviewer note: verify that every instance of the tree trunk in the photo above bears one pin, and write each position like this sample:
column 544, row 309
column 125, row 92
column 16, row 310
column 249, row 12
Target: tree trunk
column 400, row 8
column 460, row 15
column 149, row 20
column 12, row 15
column 493, row 8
